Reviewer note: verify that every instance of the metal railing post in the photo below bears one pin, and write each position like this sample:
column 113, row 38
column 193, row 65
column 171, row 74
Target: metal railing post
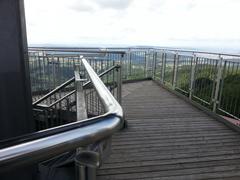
column 85, row 161
column 194, row 59
column 147, row 59
column 154, row 65
column 163, row 66
column 176, row 58
column 54, row 73
column 86, row 164
column 119, row 83
column 218, row 82
column 126, row 62
column 80, row 99
column 130, row 63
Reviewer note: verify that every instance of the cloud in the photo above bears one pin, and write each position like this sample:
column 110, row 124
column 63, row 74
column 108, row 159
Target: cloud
column 152, row 22
column 192, row 4
column 98, row 5
column 113, row 4
column 154, row 5
column 82, row 6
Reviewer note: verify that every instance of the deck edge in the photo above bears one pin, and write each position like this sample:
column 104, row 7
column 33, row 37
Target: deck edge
column 202, row 108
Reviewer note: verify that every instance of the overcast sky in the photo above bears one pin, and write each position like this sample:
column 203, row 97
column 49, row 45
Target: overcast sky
column 134, row 22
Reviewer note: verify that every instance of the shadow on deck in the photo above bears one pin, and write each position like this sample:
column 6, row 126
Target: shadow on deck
column 168, row 138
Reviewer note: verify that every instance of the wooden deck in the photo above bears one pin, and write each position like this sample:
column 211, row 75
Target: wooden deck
column 168, row 138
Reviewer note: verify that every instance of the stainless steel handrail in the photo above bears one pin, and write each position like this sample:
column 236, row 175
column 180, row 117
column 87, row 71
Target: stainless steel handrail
column 124, row 49
column 176, row 50
column 197, row 52
column 82, row 50
column 78, row 134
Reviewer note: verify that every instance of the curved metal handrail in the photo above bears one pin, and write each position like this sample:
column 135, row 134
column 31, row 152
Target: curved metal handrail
column 69, row 136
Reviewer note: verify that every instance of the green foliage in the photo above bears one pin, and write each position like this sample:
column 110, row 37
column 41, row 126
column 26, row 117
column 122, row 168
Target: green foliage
column 230, row 98
column 204, row 87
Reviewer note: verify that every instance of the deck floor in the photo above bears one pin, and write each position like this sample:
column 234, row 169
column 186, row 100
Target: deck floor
column 168, row 138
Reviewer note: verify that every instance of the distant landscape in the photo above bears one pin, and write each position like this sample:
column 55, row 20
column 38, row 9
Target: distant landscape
column 219, row 49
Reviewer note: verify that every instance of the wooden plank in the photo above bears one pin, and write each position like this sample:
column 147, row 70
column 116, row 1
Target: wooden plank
column 166, row 167
column 168, row 138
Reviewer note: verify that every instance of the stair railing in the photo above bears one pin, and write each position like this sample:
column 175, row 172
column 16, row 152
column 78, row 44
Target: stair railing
column 42, row 145
column 50, row 110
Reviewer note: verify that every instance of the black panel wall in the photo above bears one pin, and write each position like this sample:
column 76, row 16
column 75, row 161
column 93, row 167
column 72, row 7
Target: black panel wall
column 15, row 94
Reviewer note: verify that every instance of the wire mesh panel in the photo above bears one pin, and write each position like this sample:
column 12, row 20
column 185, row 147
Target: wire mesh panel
column 158, row 65
column 103, row 61
column 49, row 69
column 169, row 68
column 150, row 58
column 38, row 68
column 126, row 65
column 57, row 109
column 229, row 102
column 204, row 81
column 183, row 77
column 48, row 72
column 93, row 103
column 137, row 65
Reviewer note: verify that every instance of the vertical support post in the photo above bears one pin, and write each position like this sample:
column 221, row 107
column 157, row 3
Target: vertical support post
column 176, row 58
column 54, row 72
column 80, row 100
column 193, row 68
column 125, row 64
column 119, row 82
column 163, row 66
column 154, row 65
column 84, row 171
column 86, row 164
column 218, row 82
column 130, row 63
column 54, row 76
column 147, row 59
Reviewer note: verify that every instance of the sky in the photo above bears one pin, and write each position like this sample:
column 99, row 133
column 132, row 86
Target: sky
column 190, row 23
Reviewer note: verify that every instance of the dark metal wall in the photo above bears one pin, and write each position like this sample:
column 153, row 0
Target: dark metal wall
column 15, row 94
